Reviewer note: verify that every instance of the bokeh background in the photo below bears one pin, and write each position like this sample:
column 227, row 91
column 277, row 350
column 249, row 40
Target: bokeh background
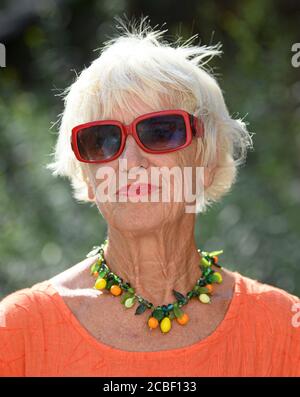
column 44, row 230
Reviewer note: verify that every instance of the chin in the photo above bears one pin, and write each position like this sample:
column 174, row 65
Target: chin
column 142, row 217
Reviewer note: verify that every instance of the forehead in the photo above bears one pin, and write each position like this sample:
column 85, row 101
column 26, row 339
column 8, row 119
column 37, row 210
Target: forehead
column 129, row 107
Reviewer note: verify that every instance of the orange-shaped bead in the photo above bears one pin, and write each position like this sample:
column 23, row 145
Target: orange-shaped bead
column 96, row 274
column 183, row 319
column 153, row 322
column 216, row 259
column 115, row 290
column 209, row 288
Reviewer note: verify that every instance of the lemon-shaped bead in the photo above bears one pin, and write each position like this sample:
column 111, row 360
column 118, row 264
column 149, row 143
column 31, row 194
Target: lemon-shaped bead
column 218, row 277
column 129, row 302
column 100, row 283
column 165, row 325
column 204, row 298
column 205, row 262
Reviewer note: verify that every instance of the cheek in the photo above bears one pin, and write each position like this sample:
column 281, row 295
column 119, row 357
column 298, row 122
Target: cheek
column 182, row 158
column 99, row 173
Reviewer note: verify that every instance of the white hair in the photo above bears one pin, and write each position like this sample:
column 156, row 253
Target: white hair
column 138, row 66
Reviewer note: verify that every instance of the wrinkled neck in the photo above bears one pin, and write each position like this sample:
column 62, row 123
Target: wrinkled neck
column 156, row 263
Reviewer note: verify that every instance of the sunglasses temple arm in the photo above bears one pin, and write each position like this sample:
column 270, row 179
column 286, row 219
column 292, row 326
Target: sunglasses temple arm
column 197, row 127
column 71, row 143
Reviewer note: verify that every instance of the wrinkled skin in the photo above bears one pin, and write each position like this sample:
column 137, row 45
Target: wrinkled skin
column 151, row 245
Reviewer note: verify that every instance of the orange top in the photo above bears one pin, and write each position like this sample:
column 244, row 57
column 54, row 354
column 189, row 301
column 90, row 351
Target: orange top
column 259, row 336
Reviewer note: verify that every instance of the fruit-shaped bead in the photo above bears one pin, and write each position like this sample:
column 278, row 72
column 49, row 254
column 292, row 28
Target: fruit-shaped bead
column 216, row 259
column 205, row 262
column 115, row 290
column 183, row 319
column 217, row 277
column 165, row 325
column 209, row 288
column 152, row 323
column 94, row 268
column 96, row 274
column 100, row 283
column 129, row 302
column 204, row 298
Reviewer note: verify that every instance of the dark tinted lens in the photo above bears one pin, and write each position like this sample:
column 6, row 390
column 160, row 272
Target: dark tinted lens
column 162, row 132
column 99, row 142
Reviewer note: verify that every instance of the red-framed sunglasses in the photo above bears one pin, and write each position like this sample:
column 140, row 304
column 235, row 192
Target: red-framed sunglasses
column 157, row 132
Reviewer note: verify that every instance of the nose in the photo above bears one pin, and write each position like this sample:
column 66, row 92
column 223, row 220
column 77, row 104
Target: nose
column 133, row 154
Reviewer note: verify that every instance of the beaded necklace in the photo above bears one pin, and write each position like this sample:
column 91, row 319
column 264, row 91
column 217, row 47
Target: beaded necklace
column 160, row 315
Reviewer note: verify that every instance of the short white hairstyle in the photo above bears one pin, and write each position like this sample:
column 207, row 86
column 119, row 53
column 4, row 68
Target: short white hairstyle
column 139, row 66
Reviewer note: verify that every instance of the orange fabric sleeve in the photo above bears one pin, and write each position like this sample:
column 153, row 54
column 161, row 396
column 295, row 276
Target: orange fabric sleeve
column 13, row 311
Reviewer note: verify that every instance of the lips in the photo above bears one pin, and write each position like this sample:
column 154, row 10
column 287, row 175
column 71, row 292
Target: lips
column 138, row 189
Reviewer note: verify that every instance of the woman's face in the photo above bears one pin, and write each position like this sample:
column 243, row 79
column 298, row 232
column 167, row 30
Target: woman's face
column 140, row 215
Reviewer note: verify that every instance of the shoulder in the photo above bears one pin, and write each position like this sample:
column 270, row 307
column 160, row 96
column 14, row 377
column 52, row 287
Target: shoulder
column 19, row 316
column 77, row 276
column 269, row 319
column 273, row 308
column 14, row 308
column 259, row 291
column 28, row 314
column 25, row 306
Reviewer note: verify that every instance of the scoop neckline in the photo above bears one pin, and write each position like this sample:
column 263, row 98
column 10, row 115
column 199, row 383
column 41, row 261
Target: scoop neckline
column 221, row 329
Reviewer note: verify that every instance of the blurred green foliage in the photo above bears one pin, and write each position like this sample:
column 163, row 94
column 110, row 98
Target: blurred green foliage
column 43, row 229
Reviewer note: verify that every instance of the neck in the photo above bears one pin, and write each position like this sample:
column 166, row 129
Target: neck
column 156, row 263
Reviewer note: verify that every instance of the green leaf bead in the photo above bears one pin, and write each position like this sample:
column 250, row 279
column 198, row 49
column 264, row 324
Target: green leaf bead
column 215, row 253
column 125, row 286
column 178, row 312
column 202, row 290
column 102, row 273
column 208, row 271
column 126, row 296
column 158, row 314
column 141, row 308
column 109, row 284
column 172, row 315
column 178, row 296
column 94, row 268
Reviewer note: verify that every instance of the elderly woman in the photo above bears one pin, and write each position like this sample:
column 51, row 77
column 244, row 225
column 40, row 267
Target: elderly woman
column 147, row 301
